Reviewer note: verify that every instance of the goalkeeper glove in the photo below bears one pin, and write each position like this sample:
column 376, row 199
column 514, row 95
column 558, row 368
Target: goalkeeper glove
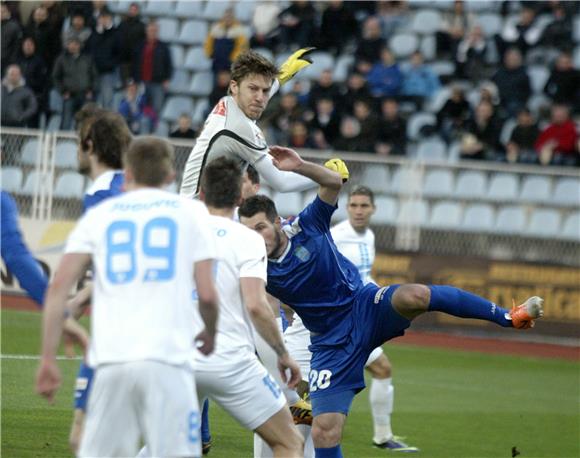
column 294, row 64
column 338, row 166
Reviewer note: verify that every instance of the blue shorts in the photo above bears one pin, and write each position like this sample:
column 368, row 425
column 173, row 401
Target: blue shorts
column 83, row 386
column 340, row 368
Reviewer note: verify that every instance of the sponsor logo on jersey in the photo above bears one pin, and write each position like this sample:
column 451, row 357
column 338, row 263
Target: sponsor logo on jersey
column 220, row 108
column 302, row 253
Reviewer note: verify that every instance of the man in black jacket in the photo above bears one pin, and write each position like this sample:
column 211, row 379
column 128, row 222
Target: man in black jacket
column 513, row 82
column 34, row 71
column 18, row 101
column 131, row 31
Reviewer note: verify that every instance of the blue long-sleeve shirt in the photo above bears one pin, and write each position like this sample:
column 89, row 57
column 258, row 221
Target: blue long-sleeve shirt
column 17, row 256
column 385, row 81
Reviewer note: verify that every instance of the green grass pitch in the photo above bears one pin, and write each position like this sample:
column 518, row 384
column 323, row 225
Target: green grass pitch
column 448, row 403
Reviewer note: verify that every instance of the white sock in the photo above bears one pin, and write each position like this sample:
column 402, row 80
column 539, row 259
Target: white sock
column 306, row 431
column 381, row 399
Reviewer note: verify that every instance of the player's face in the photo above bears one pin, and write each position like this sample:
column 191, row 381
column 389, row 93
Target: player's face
column 272, row 234
column 249, row 189
column 360, row 209
column 252, row 94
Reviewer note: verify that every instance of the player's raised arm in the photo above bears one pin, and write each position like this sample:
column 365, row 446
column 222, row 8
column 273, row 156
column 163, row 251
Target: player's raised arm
column 330, row 181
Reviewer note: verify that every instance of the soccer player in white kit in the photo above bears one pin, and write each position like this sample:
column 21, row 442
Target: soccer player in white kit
column 230, row 129
column 149, row 249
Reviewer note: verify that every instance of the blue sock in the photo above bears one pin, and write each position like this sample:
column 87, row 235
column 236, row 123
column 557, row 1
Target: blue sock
column 332, row 452
column 457, row 302
column 205, row 434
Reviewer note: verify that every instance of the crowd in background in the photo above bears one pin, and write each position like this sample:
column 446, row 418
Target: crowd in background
column 84, row 53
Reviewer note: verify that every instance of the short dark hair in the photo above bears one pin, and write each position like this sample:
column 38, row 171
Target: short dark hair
column 252, row 63
column 360, row 190
column 253, row 174
column 110, row 136
column 221, row 183
column 258, row 204
column 150, row 159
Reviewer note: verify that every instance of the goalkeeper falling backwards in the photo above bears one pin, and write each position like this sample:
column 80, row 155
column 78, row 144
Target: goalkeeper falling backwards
column 346, row 319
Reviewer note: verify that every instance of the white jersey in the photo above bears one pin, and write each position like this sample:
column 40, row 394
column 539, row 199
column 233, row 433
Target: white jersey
column 227, row 132
column 240, row 253
column 356, row 247
column 144, row 245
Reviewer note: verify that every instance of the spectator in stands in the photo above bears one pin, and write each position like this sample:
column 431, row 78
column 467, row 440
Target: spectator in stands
column 350, row 139
column 297, row 24
column 419, row 81
column 35, row 73
column 452, row 29
column 105, row 49
column 299, row 137
column 220, row 88
column 131, row 32
column 369, row 122
column 522, row 32
column 470, row 56
column 563, row 86
column 284, row 115
column 265, row 25
column 184, row 129
column 453, row 116
column 393, row 15
column 482, row 137
column 558, row 33
column 75, row 76
column 153, row 66
column 18, row 101
column 512, row 82
column 56, row 11
column 46, row 37
column 557, row 143
column 338, row 27
column 325, row 123
column 372, row 41
column 392, row 140
column 77, row 29
column 356, row 88
column 225, row 41
column 10, row 39
column 385, row 78
column 520, row 147
column 325, row 87
column 133, row 107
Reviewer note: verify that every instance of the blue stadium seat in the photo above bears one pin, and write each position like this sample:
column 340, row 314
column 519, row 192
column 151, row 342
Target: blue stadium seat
column 438, row 100
column 442, row 68
column 415, row 213
column 438, row 183
column 506, row 131
column 193, row 32
column 511, row 220
column 376, row 177
column 490, row 23
column 54, row 101
column 168, row 28
column 503, row 187
column 417, row 121
column 162, row 129
column 196, row 60
column 65, row 155
column 432, row 149
column 119, row 7
column 31, row 183
column 426, row 22
column 536, row 188
column 177, row 56
column 478, row 218
column 188, row 9
column 445, row 215
column 30, row 152
column 70, row 185
column 201, row 109
column 180, row 82
column 201, row 84
column 244, row 10
column 538, row 78
column 320, row 61
column 571, row 228
column 400, row 179
column 404, row 44
column 266, row 53
column 54, row 123
column 386, row 212
column 471, row 185
column 429, row 47
column 159, row 8
column 567, row 192
column 342, row 67
column 544, row 222
column 288, row 203
column 175, row 106
column 11, row 179
column 214, row 11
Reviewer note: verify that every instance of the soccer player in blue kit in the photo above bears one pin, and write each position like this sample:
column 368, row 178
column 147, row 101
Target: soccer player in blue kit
column 346, row 319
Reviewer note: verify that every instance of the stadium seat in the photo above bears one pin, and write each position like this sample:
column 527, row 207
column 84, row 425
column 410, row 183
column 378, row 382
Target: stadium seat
column 196, row 60
column 445, row 215
column 544, row 222
column 54, row 101
column 30, row 152
column 401, row 181
column 244, row 10
column 342, row 67
column 490, row 23
column 65, row 155
column 288, row 203
column 180, row 82
column 413, row 213
column 417, row 121
column 193, row 32
column 478, row 218
column 386, row 212
column 442, row 68
column 426, row 22
column 120, row 7
column 538, row 77
column 376, row 177
column 429, row 47
column 168, row 28
column 320, row 61
column 214, row 11
column 159, row 8
column 571, row 228
column 454, row 152
column 511, row 220
column 177, row 56
column 438, row 183
column 341, row 214
column 503, row 187
column 54, row 123
column 175, row 106
column 403, row 44
column 31, row 183
column 201, row 84
column 471, row 185
column 201, row 109
column 536, row 189
column 70, row 185
column 432, row 149
column 567, row 192
column 11, row 179
column 538, row 103
column 438, row 100
column 266, row 53
column 188, row 9
column 506, row 131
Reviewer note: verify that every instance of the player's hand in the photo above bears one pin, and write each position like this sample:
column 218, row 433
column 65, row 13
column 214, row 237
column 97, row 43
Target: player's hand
column 296, row 62
column 48, row 380
column 285, row 362
column 338, row 166
column 285, row 159
column 74, row 333
column 205, row 342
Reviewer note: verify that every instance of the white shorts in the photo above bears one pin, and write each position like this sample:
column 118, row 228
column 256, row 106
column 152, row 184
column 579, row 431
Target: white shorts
column 143, row 400
column 243, row 389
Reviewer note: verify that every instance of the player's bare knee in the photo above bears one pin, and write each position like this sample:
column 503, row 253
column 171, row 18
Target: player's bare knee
column 326, row 435
column 381, row 368
column 412, row 299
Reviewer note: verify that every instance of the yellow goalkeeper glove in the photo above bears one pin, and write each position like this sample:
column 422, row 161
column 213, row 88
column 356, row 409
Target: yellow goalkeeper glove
column 294, row 64
column 338, row 166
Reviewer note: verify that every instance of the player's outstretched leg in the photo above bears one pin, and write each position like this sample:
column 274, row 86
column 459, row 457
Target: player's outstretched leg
column 327, row 433
column 205, row 432
column 412, row 300
column 281, row 435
